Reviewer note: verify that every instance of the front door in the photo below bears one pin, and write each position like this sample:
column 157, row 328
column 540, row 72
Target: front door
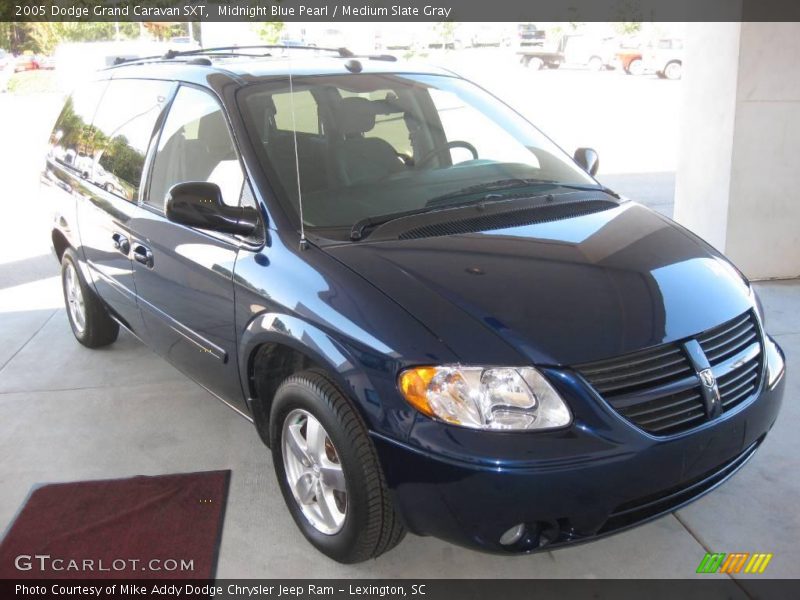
column 184, row 276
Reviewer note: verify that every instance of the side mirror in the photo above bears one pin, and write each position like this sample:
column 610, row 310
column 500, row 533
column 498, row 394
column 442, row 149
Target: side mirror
column 588, row 159
column 199, row 204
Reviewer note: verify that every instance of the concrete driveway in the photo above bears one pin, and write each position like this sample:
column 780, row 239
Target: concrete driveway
column 68, row 413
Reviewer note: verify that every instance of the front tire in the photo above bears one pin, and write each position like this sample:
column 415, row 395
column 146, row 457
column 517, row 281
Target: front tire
column 328, row 471
column 635, row 67
column 88, row 317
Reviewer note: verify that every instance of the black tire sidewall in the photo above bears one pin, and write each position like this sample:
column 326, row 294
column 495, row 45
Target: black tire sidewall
column 342, row 545
column 100, row 329
column 670, row 66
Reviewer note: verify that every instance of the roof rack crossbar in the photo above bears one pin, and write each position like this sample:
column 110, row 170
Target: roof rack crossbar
column 233, row 51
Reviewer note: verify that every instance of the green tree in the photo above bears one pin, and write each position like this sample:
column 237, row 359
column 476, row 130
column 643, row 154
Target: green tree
column 627, row 27
column 445, row 32
column 270, row 31
column 43, row 37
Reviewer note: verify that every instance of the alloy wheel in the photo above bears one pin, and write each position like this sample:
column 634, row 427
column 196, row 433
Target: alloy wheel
column 75, row 301
column 314, row 472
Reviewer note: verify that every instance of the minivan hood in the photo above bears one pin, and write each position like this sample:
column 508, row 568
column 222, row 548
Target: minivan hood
column 560, row 293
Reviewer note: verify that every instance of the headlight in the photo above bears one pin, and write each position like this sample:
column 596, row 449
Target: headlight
column 759, row 307
column 485, row 398
column 776, row 365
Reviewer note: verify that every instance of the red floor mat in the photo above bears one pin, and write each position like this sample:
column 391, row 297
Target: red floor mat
column 168, row 526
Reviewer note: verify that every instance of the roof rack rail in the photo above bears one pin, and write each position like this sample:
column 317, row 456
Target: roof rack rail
column 232, row 51
column 342, row 52
column 235, row 50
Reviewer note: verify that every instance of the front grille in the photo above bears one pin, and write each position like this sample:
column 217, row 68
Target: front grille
column 729, row 338
column 628, row 382
column 632, row 372
column 739, row 384
column 658, row 389
column 726, row 342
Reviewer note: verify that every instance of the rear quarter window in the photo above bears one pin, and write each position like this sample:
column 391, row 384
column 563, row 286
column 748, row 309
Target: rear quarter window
column 71, row 139
column 122, row 130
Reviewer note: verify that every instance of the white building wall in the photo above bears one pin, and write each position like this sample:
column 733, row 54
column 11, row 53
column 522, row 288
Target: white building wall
column 738, row 178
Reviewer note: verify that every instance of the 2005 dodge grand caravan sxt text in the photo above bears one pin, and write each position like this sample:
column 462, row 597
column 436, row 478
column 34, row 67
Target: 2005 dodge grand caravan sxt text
column 438, row 321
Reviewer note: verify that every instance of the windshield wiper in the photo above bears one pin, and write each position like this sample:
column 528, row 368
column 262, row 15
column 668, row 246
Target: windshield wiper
column 360, row 226
column 490, row 186
column 502, row 185
column 357, row 231
column 590, row 188
column 438, row 204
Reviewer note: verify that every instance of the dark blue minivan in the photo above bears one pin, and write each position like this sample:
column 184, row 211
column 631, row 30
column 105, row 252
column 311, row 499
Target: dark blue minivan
column 438, row 321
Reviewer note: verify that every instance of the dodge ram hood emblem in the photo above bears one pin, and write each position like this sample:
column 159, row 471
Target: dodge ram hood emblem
column 708, row 379
column 711, row 397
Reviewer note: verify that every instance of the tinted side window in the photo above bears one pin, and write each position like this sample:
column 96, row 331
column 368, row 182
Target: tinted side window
column 195, row 145
column 70, row 141
column 123, row 128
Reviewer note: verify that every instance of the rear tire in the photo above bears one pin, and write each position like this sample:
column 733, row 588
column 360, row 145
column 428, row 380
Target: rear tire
column 673, row 70
column 370, row 525
column 535, row 63
column 88, row 317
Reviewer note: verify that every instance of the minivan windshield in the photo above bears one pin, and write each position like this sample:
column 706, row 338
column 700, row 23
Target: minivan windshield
column 376, row 145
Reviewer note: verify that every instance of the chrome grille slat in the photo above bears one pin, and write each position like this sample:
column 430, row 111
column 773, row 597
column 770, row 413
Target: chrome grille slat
column 650, row 407
column 641, row 380
column 727, row 334
column 695, row 416
column 736, row 376
column 670, row 415
column 723, row 351
column 621, row 374
column 733, row 341
column 737, row 398
column 727, row 391
column 740, row 336
column 722, row 329
column 615, row 363
column 655, row 389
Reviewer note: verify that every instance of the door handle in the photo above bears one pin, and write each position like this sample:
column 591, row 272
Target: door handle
column 121, row 243
column 143, row 255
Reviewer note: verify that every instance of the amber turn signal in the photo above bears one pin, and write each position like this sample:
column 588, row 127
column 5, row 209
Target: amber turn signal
column 414, row 385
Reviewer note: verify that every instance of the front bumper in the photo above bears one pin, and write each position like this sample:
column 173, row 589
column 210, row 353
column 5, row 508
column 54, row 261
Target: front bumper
column 595, row 478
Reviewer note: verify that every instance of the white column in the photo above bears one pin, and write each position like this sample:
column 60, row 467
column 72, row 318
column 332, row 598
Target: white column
column 738, row 178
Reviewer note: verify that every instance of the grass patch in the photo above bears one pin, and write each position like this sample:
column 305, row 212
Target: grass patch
column 33, row 82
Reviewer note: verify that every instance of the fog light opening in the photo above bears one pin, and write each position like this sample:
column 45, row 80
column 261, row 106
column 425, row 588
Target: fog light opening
column 513, row 535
